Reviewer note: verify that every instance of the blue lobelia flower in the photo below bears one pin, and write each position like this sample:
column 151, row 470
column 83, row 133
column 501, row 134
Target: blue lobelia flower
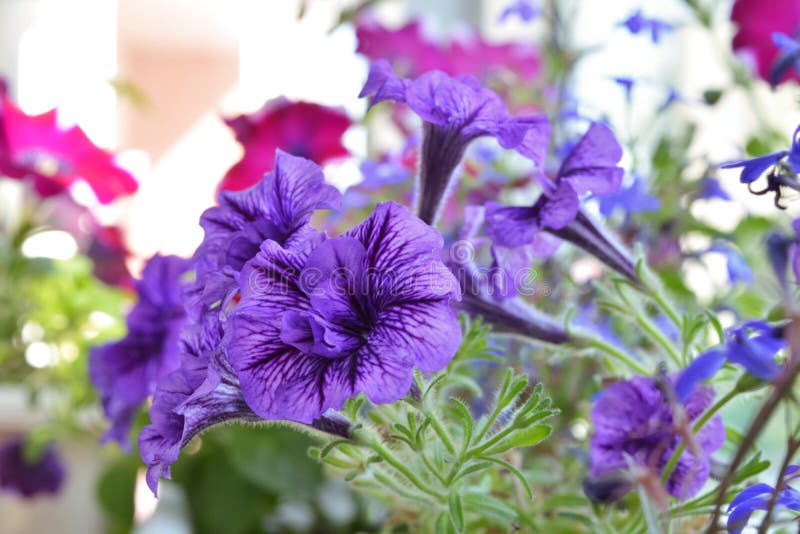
column 752, row 345
column 631, row 199
column 591, row 165
column 635, row 422
column 788, row 58
column 753, row 168
column 526, row 10
column 711, row 188
column 29, row 477
column 278, row 207
column 738, row 269
column 637, row 23
column 455, row 111
column 125, row 372
column 758, row 496
column 355, row 314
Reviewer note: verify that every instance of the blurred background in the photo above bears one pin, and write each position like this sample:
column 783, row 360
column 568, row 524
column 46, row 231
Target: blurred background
column 153, row 80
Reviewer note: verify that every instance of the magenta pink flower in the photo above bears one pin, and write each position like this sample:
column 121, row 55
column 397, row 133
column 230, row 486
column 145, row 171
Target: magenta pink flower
column 302, row 129
column 757, row 21
column 412, row 53
column 36, row 148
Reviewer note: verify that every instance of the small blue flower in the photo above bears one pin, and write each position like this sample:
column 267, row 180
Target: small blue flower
column 753, row 168
column 637, row 23
column 711, row 188
column 757, row 497
column 631, row 199
column 738, row 269
column 788, row 58
column 526, row 10
column 752, row 345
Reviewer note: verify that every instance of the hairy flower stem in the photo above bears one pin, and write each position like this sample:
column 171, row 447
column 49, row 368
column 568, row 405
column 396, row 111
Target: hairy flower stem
column 782, row 385
column 368, row 438
column 617, row 355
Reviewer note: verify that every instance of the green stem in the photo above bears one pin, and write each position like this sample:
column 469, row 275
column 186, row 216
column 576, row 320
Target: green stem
column 438, row 427
column 617, row 354
column 673, row 461
column 666, row 307
column 392, row 484
column 388, row 456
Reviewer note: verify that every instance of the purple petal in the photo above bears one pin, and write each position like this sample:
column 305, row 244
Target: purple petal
column 592, row 164
column 559, row 209
column 383, row 84
column 511, row 226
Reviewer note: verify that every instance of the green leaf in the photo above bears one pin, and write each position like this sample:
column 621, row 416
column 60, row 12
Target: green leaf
column 456, row 511
column 527, row 437
column 273, row 458
column 115, row 493
column 490, row 508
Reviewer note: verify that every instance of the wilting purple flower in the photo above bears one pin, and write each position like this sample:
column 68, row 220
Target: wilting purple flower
column 494, row 293
column 526, row 10
column 125, row 372
column 590, row 166
column 29, row 477
column 753, row 168
column 753, row 345
column 758, row 497
column 635, row 422
column 278, row 208
column 355, row 314
column 203, row 392
column 631, row 199
column 637, row 23
column 455, row 111
column 711, row 188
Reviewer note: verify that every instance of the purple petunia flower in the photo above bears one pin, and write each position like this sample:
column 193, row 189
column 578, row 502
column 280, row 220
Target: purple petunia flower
column 355, row 314
column 125, row 372
column 278, row 208
column 635, row 423
column 753, row 168
column 455, row 111
column 637, row 23
column 758, row 496
column 29, row 477
column 753, row 345
column 591, row 165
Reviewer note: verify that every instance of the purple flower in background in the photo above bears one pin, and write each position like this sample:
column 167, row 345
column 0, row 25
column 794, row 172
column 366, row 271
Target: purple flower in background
column 526, row 10
column 753, row 168
column 758, row 496
column 125, row 372
column 590, row 166
column 455, row 111
column 711, row 188
column 752, row 345
column 279, row 208
column 635, row 422
column 637, row 23
column 29, row 477
column 631, row 199
column 355, row 314
column 789, row 57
